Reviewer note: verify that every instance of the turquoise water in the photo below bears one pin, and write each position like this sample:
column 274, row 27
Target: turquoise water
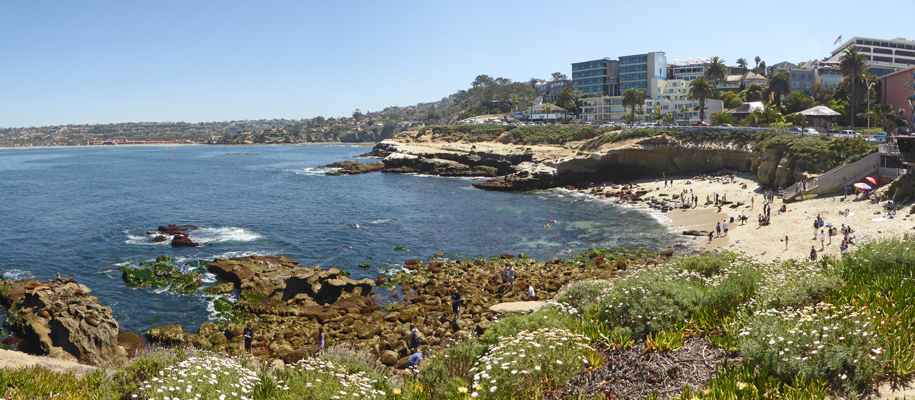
column 84, row 212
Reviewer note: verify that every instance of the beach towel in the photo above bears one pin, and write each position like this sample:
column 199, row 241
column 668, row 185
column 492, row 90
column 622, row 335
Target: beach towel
column 879, row 219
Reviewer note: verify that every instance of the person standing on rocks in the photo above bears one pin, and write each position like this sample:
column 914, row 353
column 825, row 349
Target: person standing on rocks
column 530, row 293
column 505, row 275
column 248, row 333
column 321, row 337
column 511, row 276
column 415, row 339
column 456, row 304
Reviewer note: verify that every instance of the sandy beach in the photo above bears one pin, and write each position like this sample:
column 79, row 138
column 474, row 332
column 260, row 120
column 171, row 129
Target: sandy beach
column 767, row 243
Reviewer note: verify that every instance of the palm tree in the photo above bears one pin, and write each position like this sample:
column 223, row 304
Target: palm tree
column 715, row 70
column 742, row 62
column 633, row 98
column 853, row 64
column 565, row 99
column 757, row 61
column 700, row 89
column 669, row 118
column 779, row 83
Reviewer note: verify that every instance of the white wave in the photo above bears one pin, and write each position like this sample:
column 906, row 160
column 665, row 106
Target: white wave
column 208, row 277
column 211, row 304
column 18, row 274
column 223, row 234
column 317, row 171
column 381, row 221
column 240, row 254
column 162, row 289
column 145, row 240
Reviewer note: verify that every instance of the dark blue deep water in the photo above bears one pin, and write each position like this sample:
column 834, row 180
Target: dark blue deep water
column 84, row 211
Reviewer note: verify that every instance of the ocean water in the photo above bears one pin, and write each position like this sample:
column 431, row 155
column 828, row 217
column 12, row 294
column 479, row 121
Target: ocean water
column 84, row 212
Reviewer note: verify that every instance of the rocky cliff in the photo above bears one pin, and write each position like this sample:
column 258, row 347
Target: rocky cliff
column 600, row 158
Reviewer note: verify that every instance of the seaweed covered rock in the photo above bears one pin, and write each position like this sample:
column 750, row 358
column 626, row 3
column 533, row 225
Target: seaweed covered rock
column 60, row 319
column 161, row 273
column 354, row 167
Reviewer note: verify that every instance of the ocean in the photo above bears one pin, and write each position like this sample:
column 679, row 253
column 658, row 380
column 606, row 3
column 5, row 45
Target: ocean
column 84, row 212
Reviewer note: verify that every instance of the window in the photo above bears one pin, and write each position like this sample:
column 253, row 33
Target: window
column 884, row 59
column 883, row 51
column 806, row 85
column 905, row 53
column 634, row 68
column 794, row 85
column 868, row 42
column 633, row 77
column 793, row 76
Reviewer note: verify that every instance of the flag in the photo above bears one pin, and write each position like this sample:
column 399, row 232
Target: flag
column 838, row 40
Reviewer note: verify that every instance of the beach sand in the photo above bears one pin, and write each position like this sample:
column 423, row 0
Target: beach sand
column 767, row 243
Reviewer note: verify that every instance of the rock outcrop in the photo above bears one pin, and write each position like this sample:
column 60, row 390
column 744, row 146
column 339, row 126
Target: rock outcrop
column 60, row 319
column 353, row 167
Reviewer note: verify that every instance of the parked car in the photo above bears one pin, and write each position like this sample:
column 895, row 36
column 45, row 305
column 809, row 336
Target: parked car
column 727, row 126
column 701, row 123
column 799, row 130
column 811, row 131
column 849, row 132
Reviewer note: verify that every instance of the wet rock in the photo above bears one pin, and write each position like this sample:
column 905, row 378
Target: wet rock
column 133, row 343
column 183, row 241
column 172, row 229
column 354, row 167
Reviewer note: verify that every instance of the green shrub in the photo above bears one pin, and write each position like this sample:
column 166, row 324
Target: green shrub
column 39, row 383
column 443, row 374
column 512, row 325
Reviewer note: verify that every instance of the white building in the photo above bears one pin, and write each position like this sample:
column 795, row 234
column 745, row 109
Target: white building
column 672, row 97
column 884, row 57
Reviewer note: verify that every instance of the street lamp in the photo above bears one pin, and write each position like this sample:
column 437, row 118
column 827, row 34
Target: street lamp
column 869, row 106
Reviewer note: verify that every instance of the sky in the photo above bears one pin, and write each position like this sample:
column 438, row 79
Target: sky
column 96, row 62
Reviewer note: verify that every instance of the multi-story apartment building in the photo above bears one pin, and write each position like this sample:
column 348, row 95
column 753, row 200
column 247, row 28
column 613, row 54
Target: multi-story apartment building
column 734, row 83
column 549, row 91
column 802, row 76
column 597, row 77
column 671, row 97
column 884, row 56
column 687, row 70
column 643, row 72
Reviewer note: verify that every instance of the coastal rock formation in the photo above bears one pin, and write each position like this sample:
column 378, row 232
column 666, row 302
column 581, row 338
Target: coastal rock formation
column 172, row 229
column 180, row 240
column 353, row 167
column 58, row 318
column 287, row 303
column 576, row 160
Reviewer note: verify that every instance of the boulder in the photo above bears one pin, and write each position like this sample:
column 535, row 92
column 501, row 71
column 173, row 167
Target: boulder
column 183, row 241
column 172, row 229
column 60, row 319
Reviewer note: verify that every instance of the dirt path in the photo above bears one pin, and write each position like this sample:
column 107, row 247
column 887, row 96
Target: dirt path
column 18, row 360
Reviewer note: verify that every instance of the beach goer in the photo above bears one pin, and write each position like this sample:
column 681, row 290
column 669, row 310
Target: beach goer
column 718, row 229
column 415, row 359
column 816, row 227
column 415, row 339
column 248, row 334
column 505, row 275
column 511, row 276
column 710, row 234
column 822, row 240
column 786, row 242
column 530, row 293
column 752, row 202
column 813, row 253
column 321, row 337
column 725, row 227
column 844, row 245
column 456, row 303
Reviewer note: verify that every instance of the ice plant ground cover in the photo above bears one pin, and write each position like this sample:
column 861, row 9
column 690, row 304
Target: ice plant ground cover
column 202, row 376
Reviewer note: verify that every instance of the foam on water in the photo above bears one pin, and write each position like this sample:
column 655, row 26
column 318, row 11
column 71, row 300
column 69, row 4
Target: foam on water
column 143, row 239
column 223, row 234
column 316, row 171
column 18, row 274
column 381, row 221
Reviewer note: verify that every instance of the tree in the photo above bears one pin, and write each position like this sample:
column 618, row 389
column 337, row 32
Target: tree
column 716, row 71
column 779, row 83
column 565, row 99
column 798, row 101
column 754, row 92
column 720, row 118
column 559, row 76
column 633, row 98
column 742, row 62
column 853, row 64
column 655, row 114
column 823, row 94
column 700, row 89
column 357, row 115
column 757, row 62
column 760, row 68
column 669, row 118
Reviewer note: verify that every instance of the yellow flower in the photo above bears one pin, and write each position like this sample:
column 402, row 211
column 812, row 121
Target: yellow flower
column 462, row 389
column 397, row 391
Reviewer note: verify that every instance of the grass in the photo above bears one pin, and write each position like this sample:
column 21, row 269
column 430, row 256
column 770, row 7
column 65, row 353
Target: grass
column 804, row 330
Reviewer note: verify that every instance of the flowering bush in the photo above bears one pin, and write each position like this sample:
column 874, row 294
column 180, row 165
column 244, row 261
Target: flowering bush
column 524, row 365
column 838, row 343
column 203, row 376
column 329, row 379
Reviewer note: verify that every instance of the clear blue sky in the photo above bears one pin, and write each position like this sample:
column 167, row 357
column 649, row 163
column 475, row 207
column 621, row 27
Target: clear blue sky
column 75, row 62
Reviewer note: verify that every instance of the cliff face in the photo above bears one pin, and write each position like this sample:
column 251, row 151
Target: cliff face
column 544, row 166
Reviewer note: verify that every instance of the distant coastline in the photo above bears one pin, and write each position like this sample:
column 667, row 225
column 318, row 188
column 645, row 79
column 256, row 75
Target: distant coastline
column 195, row 144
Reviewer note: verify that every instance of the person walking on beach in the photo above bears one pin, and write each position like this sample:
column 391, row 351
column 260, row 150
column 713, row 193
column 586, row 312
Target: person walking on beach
column 813, row 253
column 248, row 334
column 816, row 227
column 710, row 233
column 456, row 303
column 822, row 240
column 752, row 202
column 321, row 337
column 718, row 229
column 725, row 227
column 786, row 242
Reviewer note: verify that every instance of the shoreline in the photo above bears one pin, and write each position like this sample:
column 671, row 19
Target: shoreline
column 360, row 144
column 766, row 243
